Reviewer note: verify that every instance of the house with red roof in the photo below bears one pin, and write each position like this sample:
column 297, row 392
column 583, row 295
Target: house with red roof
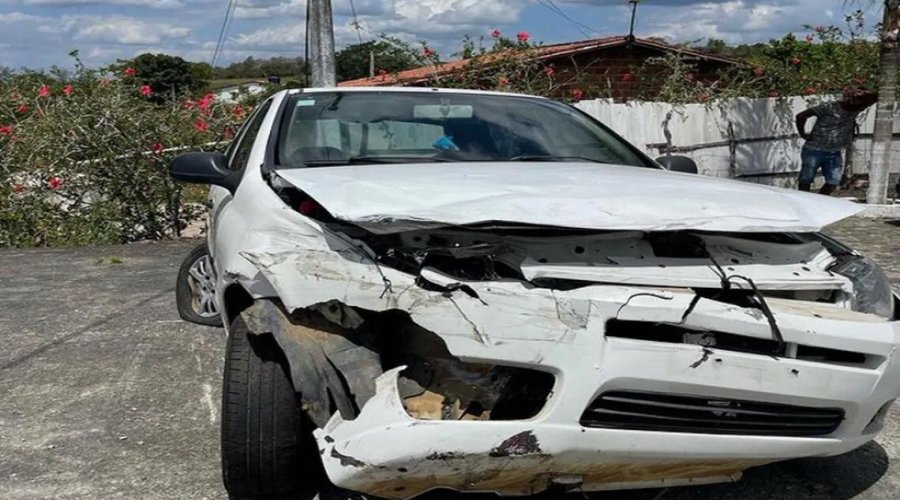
column 605, row 67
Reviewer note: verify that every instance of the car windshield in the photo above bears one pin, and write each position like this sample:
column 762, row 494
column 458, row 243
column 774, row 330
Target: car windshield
column 357, row 128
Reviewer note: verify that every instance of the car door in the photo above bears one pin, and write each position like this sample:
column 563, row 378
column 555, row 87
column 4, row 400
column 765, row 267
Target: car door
column 238, row 153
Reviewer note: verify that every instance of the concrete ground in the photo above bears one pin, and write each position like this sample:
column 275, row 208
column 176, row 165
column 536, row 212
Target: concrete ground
column 105, row 393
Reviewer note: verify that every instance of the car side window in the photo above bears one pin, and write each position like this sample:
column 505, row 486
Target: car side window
column 247, row 137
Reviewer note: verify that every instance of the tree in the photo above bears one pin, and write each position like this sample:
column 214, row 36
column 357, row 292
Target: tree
column 167, row 75
column 715, row 46
column 203, row 71
column 353, row 60
column 884, row 113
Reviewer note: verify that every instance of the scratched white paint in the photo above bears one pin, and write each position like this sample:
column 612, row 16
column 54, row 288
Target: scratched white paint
column 641, row 123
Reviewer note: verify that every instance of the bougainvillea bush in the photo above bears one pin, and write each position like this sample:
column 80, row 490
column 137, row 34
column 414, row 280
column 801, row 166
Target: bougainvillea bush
column 83, row 160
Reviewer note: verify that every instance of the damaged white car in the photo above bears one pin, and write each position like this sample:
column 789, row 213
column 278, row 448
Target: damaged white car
column 479, row 291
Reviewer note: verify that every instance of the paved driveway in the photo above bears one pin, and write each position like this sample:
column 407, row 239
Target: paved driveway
column 105, row 394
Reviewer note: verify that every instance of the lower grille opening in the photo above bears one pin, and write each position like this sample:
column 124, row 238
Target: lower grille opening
column 673, row 334
column 703, row 415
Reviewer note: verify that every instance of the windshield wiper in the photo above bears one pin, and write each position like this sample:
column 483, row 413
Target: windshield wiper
column 363, row 160
column 552, row 158
column 391, row 159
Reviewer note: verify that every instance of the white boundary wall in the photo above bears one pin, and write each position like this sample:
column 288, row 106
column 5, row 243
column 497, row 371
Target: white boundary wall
column 766, row 146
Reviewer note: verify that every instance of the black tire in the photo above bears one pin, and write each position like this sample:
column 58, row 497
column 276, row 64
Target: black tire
column 267, row 449
column 186, row 296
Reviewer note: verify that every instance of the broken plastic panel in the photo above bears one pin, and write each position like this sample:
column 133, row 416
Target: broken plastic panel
column 674, row 334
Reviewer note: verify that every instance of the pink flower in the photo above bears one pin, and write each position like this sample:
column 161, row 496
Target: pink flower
column 758, row 71
column 157, row 148
column 523, row 36
column 577, row 94
column 809, row 91
column 201, row 126
column 44, row 91
column 6, row 130
column 22, row 109
column 428, row 52
column 55, row 183
column 206, row 101
column 496, row 34
column 795, row 61
column 549, row 71
column 809, row 38
column 189, row 104
column 820, row 29
column 18, row 187
column 702, row 97
column 627, row 77
column 146, row 91
column 504, row 81
column 238, row 111
column 130, row 71
column 68, row 90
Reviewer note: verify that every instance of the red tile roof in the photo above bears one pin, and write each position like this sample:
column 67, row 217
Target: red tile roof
column 542, row 53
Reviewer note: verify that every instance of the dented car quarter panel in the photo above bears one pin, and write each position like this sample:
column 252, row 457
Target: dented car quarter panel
column 281, row 254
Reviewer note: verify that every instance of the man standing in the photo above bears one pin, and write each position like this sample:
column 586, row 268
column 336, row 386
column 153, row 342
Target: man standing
column 832, row 133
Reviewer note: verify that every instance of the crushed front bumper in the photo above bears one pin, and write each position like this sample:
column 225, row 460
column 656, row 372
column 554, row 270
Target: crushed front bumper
column 386, row 452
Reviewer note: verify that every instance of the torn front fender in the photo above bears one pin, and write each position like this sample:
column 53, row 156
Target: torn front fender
column 328, row 364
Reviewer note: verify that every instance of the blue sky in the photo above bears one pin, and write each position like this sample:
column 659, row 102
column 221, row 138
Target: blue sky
column 39, row 33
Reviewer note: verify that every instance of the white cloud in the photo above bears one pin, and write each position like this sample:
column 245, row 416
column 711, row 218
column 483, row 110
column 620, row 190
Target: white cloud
column 125, row 30
column 156, row 4
column 736, row 21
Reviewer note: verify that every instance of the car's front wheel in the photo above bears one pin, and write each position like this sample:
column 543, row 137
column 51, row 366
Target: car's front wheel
column 267, row 448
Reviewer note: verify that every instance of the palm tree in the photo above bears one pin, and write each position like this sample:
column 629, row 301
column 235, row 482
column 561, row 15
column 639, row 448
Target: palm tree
column 884, row 113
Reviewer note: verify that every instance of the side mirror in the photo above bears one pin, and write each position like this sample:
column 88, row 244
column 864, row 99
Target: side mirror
column 678, row 164
column 204, row 168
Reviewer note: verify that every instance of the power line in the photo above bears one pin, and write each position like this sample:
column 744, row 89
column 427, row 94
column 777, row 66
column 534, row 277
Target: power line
column 355, row 22
column 583, row 28
column 223, row 32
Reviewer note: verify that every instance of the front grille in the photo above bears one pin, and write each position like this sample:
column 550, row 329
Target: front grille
column 702, row 415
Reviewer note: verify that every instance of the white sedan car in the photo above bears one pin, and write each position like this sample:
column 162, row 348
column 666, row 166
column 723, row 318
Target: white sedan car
column 478, row 291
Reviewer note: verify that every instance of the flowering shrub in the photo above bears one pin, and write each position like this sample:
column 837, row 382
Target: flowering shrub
column 826, row 60
column 84, row 161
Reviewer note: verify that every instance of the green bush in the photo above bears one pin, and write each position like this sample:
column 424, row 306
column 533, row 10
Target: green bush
column 84, row 160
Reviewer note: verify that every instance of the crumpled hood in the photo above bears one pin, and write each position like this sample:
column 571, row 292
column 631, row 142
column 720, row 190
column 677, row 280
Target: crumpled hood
column 394, row 198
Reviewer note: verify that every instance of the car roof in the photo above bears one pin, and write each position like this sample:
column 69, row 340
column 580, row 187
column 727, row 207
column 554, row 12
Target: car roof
column 422, row 90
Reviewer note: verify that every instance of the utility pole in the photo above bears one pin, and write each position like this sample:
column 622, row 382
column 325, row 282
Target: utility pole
column 880, row 169
column 320, row 31
column 634, row 7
